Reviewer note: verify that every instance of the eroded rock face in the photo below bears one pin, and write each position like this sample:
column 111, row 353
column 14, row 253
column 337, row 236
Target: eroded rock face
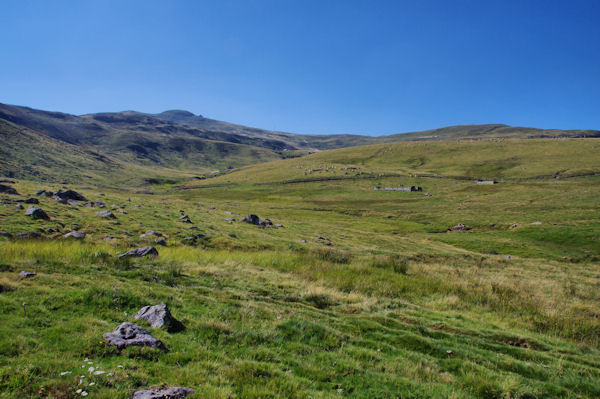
column 36, row 213
column 163, row 393
column 129, row 334
column 159, row 316
column 80, row 235
column 140, row 252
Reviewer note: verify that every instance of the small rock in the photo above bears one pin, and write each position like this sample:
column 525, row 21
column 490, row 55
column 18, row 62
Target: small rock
column 163, row 393
column 79, row 235
column 229, row 220
column 129, row 334
column 536, row 223
column 32, row 201
column 20, row 206
column 106, row 214
column 161, row 241
column 5, row 234
column 26, row 274
column 460, row 227
column 109, row 238
column 36, row 213
column 185, row 219
column 252, row 219
column 159, row 316
column 140, row 252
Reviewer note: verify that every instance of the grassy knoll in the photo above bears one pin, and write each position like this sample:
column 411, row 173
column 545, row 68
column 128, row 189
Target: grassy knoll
column 396, row 306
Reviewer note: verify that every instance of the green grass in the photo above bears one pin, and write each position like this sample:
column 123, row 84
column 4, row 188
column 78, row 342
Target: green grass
column 396, row 306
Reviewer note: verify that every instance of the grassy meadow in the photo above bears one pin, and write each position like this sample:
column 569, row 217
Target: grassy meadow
column 359, row 294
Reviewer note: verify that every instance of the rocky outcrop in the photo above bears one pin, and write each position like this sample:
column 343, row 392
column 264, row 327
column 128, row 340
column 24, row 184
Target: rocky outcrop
column 65, row 195
column 129, row 334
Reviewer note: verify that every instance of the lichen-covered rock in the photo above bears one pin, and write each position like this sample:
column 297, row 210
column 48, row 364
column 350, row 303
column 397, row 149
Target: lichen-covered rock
column 36, row 213
column 140, row 252
column 129, row 334
column 159, row 316
column 163, row 393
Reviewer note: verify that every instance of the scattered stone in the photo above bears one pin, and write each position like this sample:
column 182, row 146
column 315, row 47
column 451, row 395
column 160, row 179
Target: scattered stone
column 427, row 195
column 507, row 257
column 106, row 214
column 161, row 241
column 109, row 238
column 32, row 201
column 4, row 189
column 460, row 227
column 129, row 334
column 163, row 393
column 121, row 211
column 185, row 219
column 79, row 235
column 20, row 206
column 98, row 204
column 228, row 213
column 25, row 274
column 65, row 195
column 74, row 202
column 7, row 181
column 229, row 220
column 99, row 194
column 36, row 213
column 5, row 234
column 212, row 208
column 140, row 252
column 255, row 220
column 50, row 230
column 158, row 316
column 537, row 223
column 278, row 225
column 150, row 233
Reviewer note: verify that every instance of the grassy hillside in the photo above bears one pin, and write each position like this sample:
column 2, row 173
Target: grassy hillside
column 360, row 294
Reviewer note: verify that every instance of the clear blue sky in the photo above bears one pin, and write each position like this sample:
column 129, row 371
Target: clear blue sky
column 367, row 67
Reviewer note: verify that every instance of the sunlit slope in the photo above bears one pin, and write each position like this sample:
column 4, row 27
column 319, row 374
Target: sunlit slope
column 494, row 159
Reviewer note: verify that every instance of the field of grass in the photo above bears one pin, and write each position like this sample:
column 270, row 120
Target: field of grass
column 396, row 306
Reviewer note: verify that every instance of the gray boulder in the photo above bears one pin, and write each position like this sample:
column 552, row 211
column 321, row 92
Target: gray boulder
column 79, row 235
column 129, row 334
column 65, row 195
column 107, row 214
column 161, row 241
column 4, row 189
column 20, row 206
column 158, row 316
column 32, row 201
column 140, row 252
column 151, row 233
column 163, row 393
column 25, row 274
column 36, row 213
column 252, row 219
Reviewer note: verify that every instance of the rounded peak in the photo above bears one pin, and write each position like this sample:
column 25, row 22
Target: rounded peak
column 177, row 112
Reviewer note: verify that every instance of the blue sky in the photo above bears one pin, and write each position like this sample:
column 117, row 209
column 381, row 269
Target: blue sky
column 365, row 67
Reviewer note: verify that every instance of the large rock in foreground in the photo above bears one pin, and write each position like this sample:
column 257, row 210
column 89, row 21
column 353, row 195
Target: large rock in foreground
column 140, row 252
column 129, row 334
column 36, row 213
column 163, row 393
column 159, row 316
